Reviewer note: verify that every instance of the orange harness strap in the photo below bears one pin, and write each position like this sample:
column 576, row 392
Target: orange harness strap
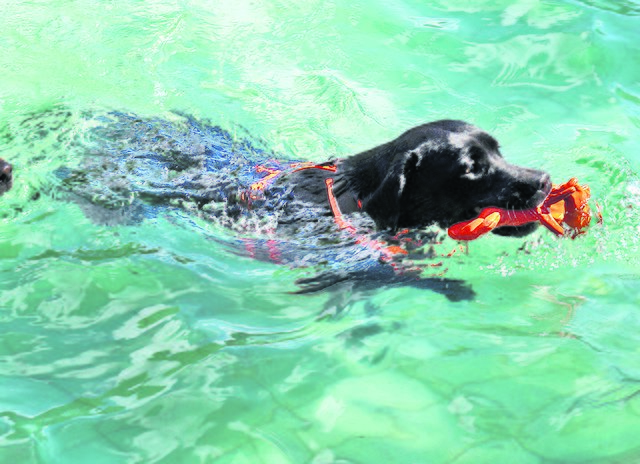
column 256, row 189
column 387, row 253
column 335, row 209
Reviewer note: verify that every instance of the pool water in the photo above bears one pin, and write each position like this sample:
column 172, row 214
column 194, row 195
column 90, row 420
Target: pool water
column 146, row 341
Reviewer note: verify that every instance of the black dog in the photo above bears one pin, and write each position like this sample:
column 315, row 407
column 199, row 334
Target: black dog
column 438, row 173
column 6, row 176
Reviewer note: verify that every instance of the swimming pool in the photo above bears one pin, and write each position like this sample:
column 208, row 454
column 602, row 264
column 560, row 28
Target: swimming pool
column 149, row 342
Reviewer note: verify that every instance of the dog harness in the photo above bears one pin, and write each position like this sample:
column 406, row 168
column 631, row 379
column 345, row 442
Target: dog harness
column 388, row 253
column 256, row 190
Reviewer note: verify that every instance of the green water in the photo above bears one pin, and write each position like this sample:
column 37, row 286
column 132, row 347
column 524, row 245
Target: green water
column 148, row 343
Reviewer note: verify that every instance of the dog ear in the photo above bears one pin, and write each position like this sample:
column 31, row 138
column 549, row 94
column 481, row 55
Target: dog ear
column 385, row 204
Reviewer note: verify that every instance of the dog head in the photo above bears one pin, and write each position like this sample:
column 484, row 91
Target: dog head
column 6, row 176
column 446, row 172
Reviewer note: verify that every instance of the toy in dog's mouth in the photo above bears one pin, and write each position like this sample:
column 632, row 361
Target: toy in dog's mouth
column 6, row 176
column 564, row 211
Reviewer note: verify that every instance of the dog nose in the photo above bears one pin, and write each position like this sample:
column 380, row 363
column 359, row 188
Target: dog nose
column 545, row 183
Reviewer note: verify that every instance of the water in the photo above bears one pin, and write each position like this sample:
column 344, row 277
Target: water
column 147, row 341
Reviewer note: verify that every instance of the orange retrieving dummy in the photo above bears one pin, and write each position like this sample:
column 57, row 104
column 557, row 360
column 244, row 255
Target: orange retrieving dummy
column 566, row 204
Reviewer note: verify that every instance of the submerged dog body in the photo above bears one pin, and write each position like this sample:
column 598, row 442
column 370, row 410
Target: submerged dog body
column 438, row 173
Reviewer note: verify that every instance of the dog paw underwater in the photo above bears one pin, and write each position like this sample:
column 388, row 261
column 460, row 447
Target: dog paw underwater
column 369, row 219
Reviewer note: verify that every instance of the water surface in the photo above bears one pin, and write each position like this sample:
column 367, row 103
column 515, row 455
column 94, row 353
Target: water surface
column 146, row 341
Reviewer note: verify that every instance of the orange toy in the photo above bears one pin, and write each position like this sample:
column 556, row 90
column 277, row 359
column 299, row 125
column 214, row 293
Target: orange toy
column 566, row 204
